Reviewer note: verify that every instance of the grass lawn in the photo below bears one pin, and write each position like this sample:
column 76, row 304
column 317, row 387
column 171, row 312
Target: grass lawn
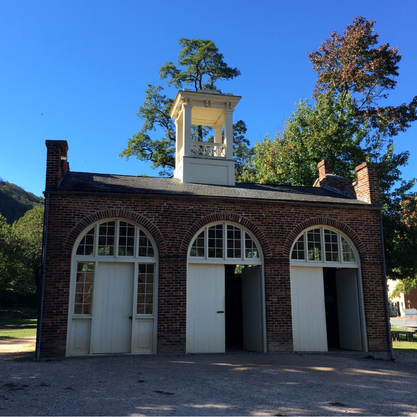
column 403, row 345
column 15, row 334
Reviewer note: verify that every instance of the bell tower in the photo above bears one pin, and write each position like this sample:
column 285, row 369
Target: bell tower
column 198, row 161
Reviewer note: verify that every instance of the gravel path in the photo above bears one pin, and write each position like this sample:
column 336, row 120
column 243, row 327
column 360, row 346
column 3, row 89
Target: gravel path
column 238, row 384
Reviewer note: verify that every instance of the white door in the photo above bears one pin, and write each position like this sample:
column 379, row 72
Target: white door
column 308, row 309
column 252, row 309
column 350, row 334
column 112, row 308
column 205, row 309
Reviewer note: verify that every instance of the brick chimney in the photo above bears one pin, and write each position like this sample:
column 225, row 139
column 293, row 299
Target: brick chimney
column 332, row 182
column 366, row 185
column 56, row 163
column 325, row 167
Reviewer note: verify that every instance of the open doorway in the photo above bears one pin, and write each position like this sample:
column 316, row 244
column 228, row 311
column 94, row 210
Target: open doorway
column 343, row 312
column 243, row 308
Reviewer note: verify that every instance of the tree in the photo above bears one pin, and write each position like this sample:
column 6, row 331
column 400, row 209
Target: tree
column 401, row 246
column 354, row 63
column 21, row 252
column 200, row 65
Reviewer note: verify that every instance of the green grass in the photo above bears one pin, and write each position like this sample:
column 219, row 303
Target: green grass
column 4, row 323
column 16, row 334
column 403, row 345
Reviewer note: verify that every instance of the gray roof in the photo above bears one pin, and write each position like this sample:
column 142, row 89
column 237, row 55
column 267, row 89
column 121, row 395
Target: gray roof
column 83, row 182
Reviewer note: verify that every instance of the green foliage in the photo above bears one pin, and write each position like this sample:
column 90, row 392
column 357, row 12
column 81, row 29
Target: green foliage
column 400, row 228
column 155, row 113
column 200, row 65
column 15, row 201
column 21, row 252
column 198, row 59
column 312, row 133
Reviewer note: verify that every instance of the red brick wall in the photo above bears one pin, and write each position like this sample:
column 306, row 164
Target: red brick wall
column 173, row 223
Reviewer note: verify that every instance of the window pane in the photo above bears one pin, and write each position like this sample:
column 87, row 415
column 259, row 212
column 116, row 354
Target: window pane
column 106, row 239
column 87, row 244
column 298, row 250
column 145, row 288
column 145, row 245
column 314, row 245
column 347, row 251
column 126, row 239
column 197, row 248
column 84, row 288
column 215, row 241
column 251, row 249
column 331, row 246
column 234, row 239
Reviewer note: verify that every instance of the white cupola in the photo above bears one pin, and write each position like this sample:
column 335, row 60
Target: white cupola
column 198, row 161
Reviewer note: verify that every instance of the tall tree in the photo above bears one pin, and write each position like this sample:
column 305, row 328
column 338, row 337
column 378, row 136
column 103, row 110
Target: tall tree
column 201, row 66
column 354, row 63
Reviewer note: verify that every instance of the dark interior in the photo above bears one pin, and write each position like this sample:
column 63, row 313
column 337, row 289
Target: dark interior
column 234, row 330
column 330, row 297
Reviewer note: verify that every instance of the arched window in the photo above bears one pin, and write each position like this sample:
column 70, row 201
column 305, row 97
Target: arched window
column 225, row 242
column 318, row 245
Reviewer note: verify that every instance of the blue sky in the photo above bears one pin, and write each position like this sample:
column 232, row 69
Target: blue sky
column 78, row 70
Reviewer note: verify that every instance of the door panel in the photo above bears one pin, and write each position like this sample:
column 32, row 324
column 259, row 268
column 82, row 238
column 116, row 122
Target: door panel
column 350, row 333
column 252, row 309
column 308, row 309
column 112, row 308
column 206, row 308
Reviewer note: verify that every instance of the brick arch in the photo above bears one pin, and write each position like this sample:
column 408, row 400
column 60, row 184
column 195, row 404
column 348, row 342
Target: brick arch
column 325, row 221
column 228, row 217
column 120, row 214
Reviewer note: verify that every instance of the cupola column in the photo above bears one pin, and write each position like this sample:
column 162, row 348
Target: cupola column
column 186, row 111
column 228, row 133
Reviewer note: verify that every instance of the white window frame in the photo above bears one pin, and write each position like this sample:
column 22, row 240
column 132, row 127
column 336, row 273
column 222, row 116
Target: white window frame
column 323, row 262
column 243, row 260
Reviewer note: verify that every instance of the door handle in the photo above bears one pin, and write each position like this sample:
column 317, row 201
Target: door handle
column 130, row 317
column 220, row 311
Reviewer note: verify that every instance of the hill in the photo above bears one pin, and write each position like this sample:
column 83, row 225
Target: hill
column 15, row 201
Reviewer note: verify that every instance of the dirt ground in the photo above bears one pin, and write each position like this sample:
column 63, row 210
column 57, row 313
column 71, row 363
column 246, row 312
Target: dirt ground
column 226, row 384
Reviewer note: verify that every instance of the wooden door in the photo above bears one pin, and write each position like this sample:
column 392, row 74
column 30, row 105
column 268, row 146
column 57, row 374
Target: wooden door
column 308, row 309
column 112, row 308
column 206, row 309
column 252, row 309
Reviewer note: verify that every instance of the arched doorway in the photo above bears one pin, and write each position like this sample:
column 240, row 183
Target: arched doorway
column 225, row 291
column 113, row 291
column 326, row 292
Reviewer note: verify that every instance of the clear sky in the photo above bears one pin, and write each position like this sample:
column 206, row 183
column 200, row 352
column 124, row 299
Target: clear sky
column 78, row 70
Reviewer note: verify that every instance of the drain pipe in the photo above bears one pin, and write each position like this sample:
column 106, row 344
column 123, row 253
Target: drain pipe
column 384, row 272
column 40, row 315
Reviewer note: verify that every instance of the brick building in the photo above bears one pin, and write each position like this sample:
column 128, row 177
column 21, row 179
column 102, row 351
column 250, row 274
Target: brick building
column 197, row 263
